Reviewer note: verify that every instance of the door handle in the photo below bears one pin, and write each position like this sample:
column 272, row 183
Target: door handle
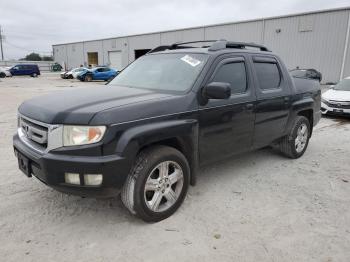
column 249, row 106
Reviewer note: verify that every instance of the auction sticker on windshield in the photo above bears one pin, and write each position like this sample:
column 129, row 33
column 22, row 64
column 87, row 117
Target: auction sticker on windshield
column 190, row 60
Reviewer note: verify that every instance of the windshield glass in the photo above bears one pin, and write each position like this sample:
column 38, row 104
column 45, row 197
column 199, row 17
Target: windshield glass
column 343, row 85
column 167, row 72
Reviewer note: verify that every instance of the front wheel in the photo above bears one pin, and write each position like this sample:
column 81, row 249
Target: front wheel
column 2, row 75
column 88, row 78
column 157, row 184
column 294, row 145
column 34, row 75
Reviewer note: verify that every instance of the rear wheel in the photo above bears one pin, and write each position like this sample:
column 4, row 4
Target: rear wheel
column 2, row 75
column 294, row 145
column 34, row 75
column 88, row 78
column 157, row 184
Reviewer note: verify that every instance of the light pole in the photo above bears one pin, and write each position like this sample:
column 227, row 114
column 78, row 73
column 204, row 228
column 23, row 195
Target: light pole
column 2, row 50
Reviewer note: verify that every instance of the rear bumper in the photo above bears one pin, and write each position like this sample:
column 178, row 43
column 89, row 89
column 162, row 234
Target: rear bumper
column 50, row 169
column 325, row 109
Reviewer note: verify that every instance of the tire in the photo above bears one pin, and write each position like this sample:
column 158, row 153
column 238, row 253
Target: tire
column 2, row 75
column 70, row 77
column 163, row 197
column 88, row 78
column 34, row 75
column 294, row 145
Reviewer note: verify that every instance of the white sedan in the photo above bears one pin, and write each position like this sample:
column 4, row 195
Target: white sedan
column 72, row 73
column 337, row 99
column 4, row 72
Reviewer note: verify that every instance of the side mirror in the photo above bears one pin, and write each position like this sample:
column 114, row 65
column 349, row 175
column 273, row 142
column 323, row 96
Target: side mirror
column 217, row 90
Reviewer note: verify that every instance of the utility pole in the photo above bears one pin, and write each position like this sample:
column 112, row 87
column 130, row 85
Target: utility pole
column 2, row 50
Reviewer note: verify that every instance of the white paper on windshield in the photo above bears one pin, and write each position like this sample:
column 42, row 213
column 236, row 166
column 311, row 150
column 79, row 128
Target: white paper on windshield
column 190, row 60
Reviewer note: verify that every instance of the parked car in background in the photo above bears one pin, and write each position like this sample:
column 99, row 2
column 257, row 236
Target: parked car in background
column 78, row 71
column 25, row 69
column 73, row 73
column 98, row 73
column 4, row 72
column 306, row 73
column 63, row 74
column 337, row 99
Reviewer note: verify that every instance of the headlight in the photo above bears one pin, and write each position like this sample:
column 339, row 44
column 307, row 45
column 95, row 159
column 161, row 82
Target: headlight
column 82, row 135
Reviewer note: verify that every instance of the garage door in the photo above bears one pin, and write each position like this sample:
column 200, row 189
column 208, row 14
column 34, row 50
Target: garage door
column 115, row 60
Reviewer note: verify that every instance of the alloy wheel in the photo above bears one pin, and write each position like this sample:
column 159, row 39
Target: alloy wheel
column 301, row 138
column 163, row 186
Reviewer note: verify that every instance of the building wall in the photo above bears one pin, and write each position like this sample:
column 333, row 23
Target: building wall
column 314, row 40
column 142, row 42
column 116, row 44
column 346, row 71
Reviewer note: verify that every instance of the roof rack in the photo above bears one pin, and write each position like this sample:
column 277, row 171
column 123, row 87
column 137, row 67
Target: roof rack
column 217, row 45
column 179, row 45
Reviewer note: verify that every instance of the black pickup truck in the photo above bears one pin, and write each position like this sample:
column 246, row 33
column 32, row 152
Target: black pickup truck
column 147, row 133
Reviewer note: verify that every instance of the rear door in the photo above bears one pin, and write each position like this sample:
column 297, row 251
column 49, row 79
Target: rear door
column 27, row 70
column 273, row 100
column 226, row 126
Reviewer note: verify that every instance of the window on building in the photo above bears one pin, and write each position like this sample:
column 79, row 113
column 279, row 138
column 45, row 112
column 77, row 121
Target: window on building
column 234, row 74
column 268, row 75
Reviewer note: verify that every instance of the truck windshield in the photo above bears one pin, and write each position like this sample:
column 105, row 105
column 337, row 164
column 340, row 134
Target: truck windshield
column 167, row 72
column 343, row 85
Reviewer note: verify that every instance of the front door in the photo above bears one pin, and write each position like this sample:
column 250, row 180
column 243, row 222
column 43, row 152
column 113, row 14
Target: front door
column 227, row 126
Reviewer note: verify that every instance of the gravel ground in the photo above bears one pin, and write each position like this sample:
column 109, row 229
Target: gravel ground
column 256, row 207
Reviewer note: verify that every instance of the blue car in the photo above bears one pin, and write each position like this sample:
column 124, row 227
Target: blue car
column 98, row 73
column 25, row 69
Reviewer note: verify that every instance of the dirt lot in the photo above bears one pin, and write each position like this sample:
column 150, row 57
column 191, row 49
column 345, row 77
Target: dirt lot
column 257, row 207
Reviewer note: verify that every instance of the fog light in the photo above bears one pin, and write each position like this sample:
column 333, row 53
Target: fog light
column 93, row 180
column 72, row 178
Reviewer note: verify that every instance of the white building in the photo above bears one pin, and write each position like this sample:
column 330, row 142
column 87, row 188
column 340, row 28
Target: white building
column 317, row 40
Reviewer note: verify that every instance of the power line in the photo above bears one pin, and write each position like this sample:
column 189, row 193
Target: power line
column 3, row 39
column 25, row 49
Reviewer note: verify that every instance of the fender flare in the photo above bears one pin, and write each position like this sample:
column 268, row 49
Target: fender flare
column 184, row 131
column 303, row 104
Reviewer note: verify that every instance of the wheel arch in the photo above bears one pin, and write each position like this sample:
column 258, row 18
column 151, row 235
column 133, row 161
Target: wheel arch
column 179, row 134
column 309, row 114
column 303, row 107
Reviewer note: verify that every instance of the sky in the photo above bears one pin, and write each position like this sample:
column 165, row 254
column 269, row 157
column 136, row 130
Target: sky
column 36, row 25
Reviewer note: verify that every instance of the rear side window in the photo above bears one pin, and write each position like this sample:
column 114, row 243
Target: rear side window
column 234, row 74
column 268, row 75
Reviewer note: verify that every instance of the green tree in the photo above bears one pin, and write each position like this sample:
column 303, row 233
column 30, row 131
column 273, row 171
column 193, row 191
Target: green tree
column 33, row 57
column 47, row 58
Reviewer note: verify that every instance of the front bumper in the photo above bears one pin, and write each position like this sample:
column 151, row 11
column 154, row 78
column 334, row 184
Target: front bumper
column 50, row 169
column 326, row 109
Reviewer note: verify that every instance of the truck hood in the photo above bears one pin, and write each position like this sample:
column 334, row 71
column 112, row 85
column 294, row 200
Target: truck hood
column 337, row 95
column 81, row 105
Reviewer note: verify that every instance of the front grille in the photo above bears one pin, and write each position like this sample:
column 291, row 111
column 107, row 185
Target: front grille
column 34, row 132
column 338, row 104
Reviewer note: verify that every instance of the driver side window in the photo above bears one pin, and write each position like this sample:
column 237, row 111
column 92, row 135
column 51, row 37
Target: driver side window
column 235, row 74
